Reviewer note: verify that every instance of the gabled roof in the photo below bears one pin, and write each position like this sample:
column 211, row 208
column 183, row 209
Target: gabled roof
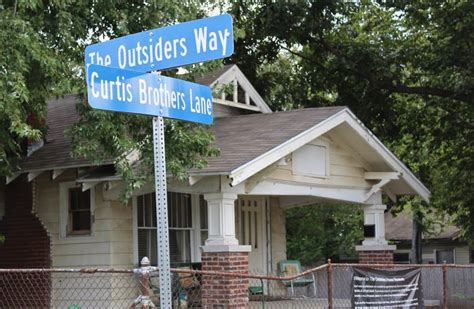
column 56, row 151
column 242, row 139
column 247, row 143
column 209, row 78
column 400, row 227
column 250, row 143
column 229, row 74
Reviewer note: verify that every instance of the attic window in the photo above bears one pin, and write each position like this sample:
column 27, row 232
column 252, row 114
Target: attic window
column 312, row 160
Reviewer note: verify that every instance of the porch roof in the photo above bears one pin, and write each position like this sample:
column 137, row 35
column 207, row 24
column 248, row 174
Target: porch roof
column 241, row 139
column 247, row 143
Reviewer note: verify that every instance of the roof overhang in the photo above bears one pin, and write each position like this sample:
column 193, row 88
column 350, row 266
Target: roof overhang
column 348, row 119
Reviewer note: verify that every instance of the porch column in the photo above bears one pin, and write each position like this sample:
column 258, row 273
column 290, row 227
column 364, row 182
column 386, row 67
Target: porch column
column 222, row 253
column 375, row 248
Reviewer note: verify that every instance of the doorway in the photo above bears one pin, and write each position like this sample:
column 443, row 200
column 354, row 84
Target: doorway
column 251, row 215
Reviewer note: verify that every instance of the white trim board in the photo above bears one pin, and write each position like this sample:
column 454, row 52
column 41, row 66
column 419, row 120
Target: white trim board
column 234, row 73
column 243, row 172
column 280, row 188
column 252, row 167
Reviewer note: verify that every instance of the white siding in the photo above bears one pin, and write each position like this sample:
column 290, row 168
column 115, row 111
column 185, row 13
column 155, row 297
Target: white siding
column 461, row 255
column 345, row 171
column 111, row 242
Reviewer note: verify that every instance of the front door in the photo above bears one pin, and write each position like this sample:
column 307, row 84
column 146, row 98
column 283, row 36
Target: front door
column 251, row 214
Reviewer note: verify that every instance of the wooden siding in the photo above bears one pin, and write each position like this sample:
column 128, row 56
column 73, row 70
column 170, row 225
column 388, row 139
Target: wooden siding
column 461, row 251
column 110, row 244
column 462, row 255
column 344, row 170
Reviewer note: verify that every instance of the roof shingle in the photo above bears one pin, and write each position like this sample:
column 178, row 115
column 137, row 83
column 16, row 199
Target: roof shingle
column 244, row 138
column 56, row 152
column 400, row 228
column 239, row 138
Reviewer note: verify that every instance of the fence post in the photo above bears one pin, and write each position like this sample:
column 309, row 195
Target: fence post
column 445, row 285
column 144, row 284
column 329, row 273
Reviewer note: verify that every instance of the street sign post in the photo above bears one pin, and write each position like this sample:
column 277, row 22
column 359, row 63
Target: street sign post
column 117, row 81
column 148, row 94
column 185, row 43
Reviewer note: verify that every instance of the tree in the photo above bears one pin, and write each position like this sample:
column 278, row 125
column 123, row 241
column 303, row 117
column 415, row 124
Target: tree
column 404, row 68
column 334, row 236
column 45, row 59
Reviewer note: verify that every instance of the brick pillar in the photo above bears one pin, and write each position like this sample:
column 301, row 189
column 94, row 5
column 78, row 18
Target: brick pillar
column 222, row 253
column 375, row 248
column 376, row 257
column 223, row 291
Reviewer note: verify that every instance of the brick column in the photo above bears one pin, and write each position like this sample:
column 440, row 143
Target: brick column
column 376, row 257
column 223, row 291
column 375, row 248
column 222, row 253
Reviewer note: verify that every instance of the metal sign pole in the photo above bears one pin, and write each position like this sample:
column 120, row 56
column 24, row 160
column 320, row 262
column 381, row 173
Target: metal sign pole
column 161, row 212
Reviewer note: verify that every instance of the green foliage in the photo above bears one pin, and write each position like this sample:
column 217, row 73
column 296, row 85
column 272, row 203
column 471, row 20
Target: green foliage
column 114, row 137
column 31, row 71
column 42, row 55
column 404, row 68
column 318, row 232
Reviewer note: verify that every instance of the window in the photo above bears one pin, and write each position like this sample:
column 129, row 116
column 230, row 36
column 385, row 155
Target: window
column 179, row 223
column 180, row 226
column 79, row 212
column 445, row 256
column 76, row 210
column 146, row 224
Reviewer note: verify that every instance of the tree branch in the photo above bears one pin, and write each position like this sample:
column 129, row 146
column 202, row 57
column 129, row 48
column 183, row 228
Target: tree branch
column 427, row 91
column 400, row 88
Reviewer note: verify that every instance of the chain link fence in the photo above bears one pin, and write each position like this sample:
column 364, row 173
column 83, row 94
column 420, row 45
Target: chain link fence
column 326, row 286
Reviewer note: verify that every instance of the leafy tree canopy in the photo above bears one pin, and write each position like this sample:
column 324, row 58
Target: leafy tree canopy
column 42, row 56
column 334, row 235
column 405, row 68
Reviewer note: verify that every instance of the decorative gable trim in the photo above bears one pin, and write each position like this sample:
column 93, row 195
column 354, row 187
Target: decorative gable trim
column 235, row 76
column 247, row 170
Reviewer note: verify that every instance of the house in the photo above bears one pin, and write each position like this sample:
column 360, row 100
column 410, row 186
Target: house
column 443, row 244
column 68, row 210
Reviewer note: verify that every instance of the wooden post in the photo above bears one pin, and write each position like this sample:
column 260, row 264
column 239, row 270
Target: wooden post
column 329, row 271
column 445, row 286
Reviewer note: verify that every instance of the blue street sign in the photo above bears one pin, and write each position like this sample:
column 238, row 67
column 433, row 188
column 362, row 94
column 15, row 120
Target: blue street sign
column 185, row 43
column 149, row 94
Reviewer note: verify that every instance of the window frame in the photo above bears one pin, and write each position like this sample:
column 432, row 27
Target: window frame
column 64, row 220
column 195, row 230
column 442, row 250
